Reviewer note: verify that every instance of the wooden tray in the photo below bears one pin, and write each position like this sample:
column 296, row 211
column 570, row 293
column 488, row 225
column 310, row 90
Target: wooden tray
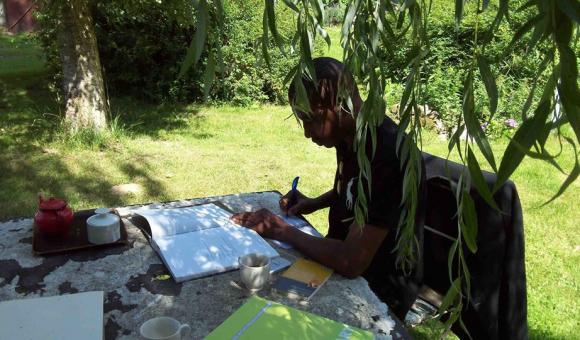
column 75, row 239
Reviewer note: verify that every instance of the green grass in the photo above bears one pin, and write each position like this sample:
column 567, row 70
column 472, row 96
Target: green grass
column 185, row 151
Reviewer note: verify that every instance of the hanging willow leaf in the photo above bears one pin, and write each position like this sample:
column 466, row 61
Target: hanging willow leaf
column 265, row 39
column 271, row 15
column 568, row 87
column 485, row 4
column 479, row 180
column 469, row 227
column 458, row 11
column 501, row 12
column 570, row 8
column 349, row 18
column 520, row 33
column 292, row 5
column 209, row 74
column 451, row 296
column 489, row 82
column 569, row 180
column 525, row 136
column 301, row 102
column 198, row 42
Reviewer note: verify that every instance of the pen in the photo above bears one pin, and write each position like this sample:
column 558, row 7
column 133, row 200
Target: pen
column 293, row 193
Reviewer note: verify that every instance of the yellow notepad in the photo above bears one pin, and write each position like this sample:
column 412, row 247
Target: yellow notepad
column 262, row 319
column 302, row 279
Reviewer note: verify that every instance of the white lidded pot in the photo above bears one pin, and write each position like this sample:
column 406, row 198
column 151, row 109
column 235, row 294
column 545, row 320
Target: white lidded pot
column 103, row 227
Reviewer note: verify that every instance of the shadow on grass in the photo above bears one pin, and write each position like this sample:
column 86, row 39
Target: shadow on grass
column 31, row 161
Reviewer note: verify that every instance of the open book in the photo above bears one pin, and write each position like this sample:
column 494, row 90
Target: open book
column 200, row 240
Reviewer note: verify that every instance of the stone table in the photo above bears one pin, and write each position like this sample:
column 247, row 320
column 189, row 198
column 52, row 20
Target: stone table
column 137, row 285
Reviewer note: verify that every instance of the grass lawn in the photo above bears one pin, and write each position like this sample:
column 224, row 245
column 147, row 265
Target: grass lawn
column 185, row 151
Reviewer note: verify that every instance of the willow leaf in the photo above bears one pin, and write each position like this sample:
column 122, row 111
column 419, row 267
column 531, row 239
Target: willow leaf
column 501, row 12
column 570, row 8
column 458, row 11
column 451, row 295
column 265, row 40
column 569, row 180
column 479, row 180
column 271, row 14
column 525, row 136
column 209, row 75
column 349, row 18
column 198, row 42
column 292, row 5
column 489, row 82
column 469, row 227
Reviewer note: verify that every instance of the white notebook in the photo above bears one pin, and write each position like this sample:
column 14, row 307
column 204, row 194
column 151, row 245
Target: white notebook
column 201, row 240
column 74, row 316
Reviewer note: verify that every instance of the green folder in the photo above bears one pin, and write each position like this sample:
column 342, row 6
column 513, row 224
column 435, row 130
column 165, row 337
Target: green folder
column 262, row 319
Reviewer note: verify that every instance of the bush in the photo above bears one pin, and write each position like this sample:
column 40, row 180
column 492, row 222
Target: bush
column 449, row 58
column 142, row 44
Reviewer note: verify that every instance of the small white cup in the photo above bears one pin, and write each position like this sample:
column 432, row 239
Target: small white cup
column 164, row 328
column 254, row 271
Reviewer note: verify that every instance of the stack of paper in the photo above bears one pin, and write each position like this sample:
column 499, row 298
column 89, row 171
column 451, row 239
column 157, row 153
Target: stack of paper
column 75, row 316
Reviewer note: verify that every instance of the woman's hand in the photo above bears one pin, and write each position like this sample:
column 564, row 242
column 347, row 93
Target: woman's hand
column 263, row 221
column 301, row 204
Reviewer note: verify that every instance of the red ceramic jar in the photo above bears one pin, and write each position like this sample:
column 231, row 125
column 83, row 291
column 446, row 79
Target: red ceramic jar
column 53, row 217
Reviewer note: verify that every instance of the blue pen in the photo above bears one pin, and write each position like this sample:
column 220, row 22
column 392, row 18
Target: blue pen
column 294, row 194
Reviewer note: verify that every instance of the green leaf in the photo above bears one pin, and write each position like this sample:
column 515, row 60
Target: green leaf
column 485, row 4
column 198, row 42
column 209, row 75
column 458, row 11
column 265, row 40
column 525, row 136
column 349, row 18
column 571, row 178
column 469, row 227
column 479, row 180
column 571, row 8
column 219, row 12
column 568, row 87
column 271, row 14
column 489, row 82
column 301, row 102
column 451, row 257
column 520, row 33
column 451, row 296
column 501, row 12
column 292, row 5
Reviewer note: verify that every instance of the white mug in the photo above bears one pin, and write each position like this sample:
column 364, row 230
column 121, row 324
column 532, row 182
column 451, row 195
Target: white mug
column 254, row 271
column 164, row 328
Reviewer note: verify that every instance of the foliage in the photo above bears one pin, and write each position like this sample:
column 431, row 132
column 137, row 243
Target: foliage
column 368, row 32
column 142, row 42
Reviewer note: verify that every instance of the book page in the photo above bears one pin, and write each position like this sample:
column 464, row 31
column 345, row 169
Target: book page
column 209, row 251
column 175, row 221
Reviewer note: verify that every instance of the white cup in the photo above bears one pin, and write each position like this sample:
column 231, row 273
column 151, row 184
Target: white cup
column 254, row 271
column 164, row 328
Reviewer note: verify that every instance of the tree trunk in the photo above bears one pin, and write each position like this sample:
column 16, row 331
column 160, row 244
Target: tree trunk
column 85, row 98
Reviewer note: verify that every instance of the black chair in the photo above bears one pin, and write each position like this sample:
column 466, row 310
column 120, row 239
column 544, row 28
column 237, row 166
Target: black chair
column 497, row 308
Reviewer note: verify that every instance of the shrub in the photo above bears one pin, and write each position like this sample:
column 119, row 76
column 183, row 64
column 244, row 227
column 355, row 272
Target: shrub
column 450, row 55
column 142, row 44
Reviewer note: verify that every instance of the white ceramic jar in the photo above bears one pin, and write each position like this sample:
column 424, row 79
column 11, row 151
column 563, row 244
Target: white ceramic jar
column 103, row 227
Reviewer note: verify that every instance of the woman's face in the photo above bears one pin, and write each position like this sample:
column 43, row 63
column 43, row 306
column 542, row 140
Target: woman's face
column 321, row 126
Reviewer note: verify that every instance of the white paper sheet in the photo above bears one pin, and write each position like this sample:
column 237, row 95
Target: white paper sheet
column 74, row 316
